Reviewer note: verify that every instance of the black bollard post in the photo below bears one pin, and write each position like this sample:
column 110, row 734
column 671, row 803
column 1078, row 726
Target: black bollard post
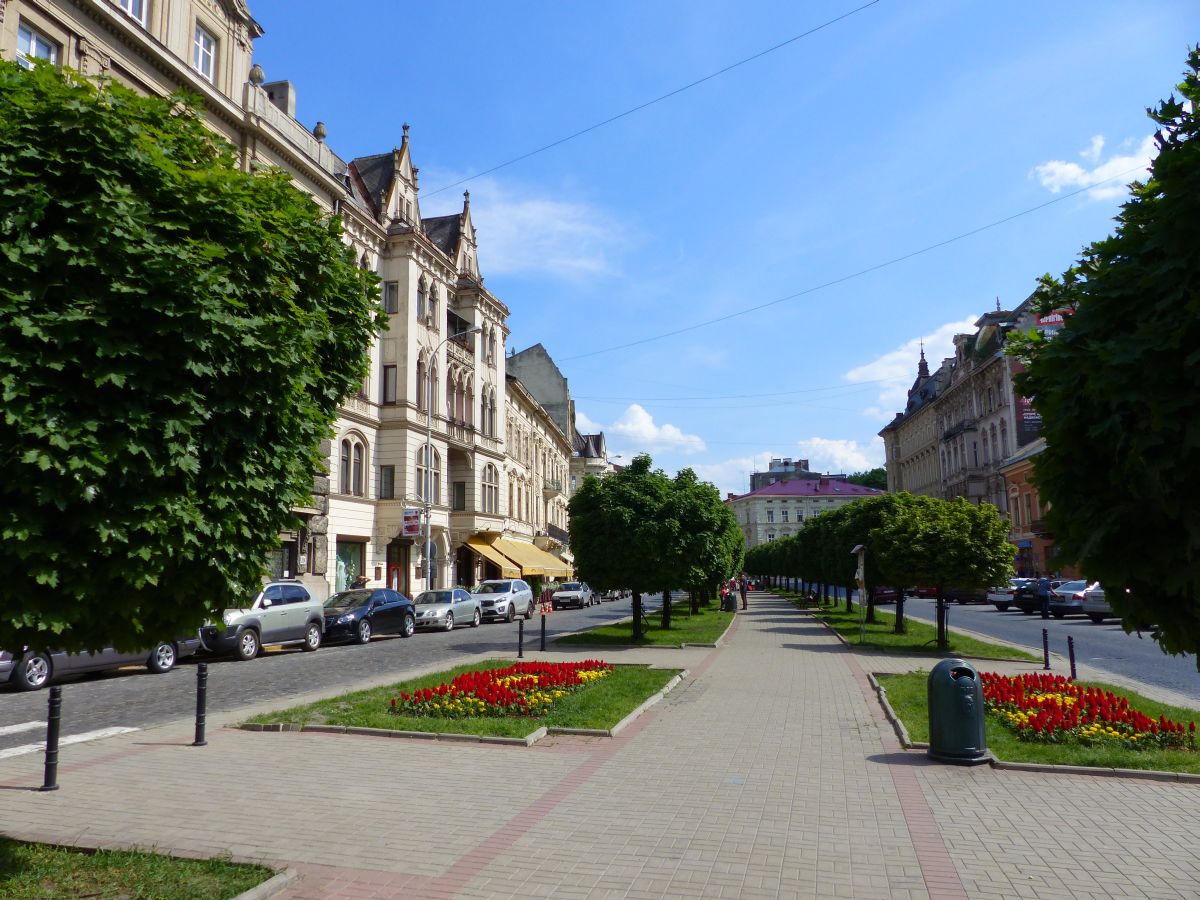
column 543, row 647
column 201, row 703
column 1045, row 648
column 1071, row 653
column 53, row 724
column 521, row 638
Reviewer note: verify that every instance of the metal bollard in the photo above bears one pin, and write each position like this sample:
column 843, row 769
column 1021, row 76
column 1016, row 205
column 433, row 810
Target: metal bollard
column 201, row 703
column 1045, row 648
column 1071, row 653
column 543, row 647
column 53, row 724
column 521, row 638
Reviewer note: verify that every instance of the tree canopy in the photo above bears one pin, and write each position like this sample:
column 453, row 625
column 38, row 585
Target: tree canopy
column 875, row 478
column 175, row 336
column 1118, row 390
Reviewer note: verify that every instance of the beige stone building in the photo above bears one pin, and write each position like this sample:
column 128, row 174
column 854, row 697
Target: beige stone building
column 779, row 510
column 420, row 373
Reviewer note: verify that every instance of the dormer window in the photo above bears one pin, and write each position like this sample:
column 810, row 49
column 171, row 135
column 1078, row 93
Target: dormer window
column 135, row 9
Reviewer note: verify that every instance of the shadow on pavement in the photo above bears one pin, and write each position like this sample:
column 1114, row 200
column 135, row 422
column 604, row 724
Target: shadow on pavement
column 903, row 758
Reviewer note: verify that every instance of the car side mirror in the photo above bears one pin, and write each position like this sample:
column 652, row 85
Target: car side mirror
column 266, row 603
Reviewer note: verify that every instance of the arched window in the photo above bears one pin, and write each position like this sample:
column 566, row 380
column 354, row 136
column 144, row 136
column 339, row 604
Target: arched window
column 469, row 405
column 483, row 405
column 491, row 489
column 433, row 387
column 352, row 467
column 422, row 472
column 344, row 468
column 358, row 470
column 421, row 386
column 422, row 288
column 433, row 308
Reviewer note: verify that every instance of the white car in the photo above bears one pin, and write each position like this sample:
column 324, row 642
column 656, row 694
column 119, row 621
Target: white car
column 1095, row 606
column 443, row 608
column 283, row 612
column 504, row 599
column 573, row 593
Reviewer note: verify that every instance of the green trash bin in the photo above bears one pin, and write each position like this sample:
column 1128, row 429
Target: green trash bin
column 956, row 713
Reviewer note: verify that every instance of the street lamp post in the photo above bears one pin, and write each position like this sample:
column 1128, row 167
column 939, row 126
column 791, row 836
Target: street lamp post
column 429, row 451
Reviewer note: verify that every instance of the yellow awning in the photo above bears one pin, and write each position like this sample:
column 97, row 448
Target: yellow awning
column 508, row 569
column 533, row 560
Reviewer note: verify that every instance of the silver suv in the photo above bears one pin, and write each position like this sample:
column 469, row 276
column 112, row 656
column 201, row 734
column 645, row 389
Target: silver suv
column 283, row 612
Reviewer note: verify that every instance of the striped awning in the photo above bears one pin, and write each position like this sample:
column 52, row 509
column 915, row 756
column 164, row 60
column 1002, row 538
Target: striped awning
column 508, row 568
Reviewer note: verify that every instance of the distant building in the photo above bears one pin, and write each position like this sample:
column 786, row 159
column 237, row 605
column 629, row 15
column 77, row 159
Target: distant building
column 779, row 470
column 781, row 509
column 590, row 457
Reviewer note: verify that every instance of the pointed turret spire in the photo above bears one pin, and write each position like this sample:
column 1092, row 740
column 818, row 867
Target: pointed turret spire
column 404, row 139
column 466, row 200
column 922, row 366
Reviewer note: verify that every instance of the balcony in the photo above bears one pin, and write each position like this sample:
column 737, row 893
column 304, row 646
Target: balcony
column 1039, row 528
column 461, row 352
column 551, row 489
column 559, row 534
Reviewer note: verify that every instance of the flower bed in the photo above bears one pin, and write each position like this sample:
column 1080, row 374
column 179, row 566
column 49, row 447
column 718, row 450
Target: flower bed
column 1052, row 709
column 524, row 689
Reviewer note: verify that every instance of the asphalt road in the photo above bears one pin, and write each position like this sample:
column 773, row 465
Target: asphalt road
column 1099, row 646
column 134, row 698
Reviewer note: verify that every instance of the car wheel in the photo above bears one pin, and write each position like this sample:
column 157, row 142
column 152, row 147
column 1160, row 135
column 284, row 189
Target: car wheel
column 162, row 659
column 1026, row 612
column 364, row 632
column 312, row 637
column 1003, row 607
column 32, row 672
column 247, row 646
column 449, row 621
column 409, row 626
column 1097, row 618
column 476, row 619
column 529, row 610
column 1058, row 615
column 512, row 612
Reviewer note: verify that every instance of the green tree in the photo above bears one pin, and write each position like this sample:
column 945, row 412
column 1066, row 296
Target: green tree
column 622, row 531
column 175, row 335
column 873, row 478
column 1118, row 389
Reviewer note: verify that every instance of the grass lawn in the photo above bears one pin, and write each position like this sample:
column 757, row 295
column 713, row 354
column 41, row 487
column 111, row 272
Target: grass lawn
column 920, row 638
column 703, row 627
column 40, row 870
column 907, row 695
column 599, row 705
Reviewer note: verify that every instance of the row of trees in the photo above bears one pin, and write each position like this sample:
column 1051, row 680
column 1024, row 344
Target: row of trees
column 639, row 529
column 910, row 540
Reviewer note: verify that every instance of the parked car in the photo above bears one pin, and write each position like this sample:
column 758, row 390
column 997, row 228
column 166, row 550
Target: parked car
column 358, row 614
column 1067, row 598
column 926, row 593
column 283, row 612
column 1004, row 597
column 614, row 594
column 886, row 594
column 1095, row 606
column 1028, row 601
column 573, row 593
column 446, row 607
column 504, row 599
column 29, row 671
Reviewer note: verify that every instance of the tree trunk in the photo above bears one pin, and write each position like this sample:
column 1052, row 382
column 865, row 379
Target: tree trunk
column 942, row 640
column 849, row 601
column 870, row 605
column 899, row 629
column 666, row 610
column 637, row 615
column 694, row 600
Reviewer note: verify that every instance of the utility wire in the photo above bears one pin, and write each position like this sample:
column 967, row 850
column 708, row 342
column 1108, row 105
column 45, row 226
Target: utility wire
column 649, row 103
column 852, row 275
column 836, row 387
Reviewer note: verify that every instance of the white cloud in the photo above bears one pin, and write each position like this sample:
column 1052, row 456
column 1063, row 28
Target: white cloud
column 584, row 425
column 732, row 476
column 526, row 230
column 844, row 456
column 1057, row 175
column 895, row 370
column 635, row 432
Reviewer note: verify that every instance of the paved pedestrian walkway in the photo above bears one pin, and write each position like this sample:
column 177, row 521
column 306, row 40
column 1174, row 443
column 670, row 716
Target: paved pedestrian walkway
column 768, row 772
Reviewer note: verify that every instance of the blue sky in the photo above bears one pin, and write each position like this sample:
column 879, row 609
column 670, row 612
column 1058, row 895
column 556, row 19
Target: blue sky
column 897, row 128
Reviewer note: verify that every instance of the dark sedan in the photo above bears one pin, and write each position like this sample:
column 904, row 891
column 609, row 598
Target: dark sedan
column 357, row 614
column 29, row 671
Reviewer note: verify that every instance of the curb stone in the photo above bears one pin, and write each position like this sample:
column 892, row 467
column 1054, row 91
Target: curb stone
column 271, row 887
column 1050, row 768
column 647, row 704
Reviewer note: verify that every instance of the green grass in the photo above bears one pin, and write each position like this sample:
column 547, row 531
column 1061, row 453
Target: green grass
column 44, row 871
column 599, row 705
column 907, row 696
column 703, row 627
column 920, row 638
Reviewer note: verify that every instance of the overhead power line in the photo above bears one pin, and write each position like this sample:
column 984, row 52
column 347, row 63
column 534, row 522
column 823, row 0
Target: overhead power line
column 844, row 278
column 649, row 103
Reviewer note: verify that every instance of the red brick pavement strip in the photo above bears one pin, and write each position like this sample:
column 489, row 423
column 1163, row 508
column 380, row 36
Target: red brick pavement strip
column 937, row 868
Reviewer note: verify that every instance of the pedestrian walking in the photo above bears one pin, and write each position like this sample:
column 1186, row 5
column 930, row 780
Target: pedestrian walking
column 1043, row 592
column 745, row 587
column 359, row 582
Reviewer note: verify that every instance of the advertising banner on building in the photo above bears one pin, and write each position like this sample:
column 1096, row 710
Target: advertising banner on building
column 1028, row 419
column 1051, row 322
column 412, row 523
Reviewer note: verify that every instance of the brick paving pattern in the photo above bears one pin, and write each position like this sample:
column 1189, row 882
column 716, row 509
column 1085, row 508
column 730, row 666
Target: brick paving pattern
column 768, row 772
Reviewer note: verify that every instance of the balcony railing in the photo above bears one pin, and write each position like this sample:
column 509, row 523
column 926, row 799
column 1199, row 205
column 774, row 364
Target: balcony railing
column 559, row 534
column 551, row 489
column 461, row 352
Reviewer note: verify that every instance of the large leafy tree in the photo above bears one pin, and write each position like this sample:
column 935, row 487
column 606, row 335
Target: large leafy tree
column 875, row 478
column 175, row 335
column 1118, row 389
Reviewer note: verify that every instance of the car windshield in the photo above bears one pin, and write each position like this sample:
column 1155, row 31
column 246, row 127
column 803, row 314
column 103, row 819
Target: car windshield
column 1068, row 586
column 494, row 587
column 570, row 586
column 347, row 598
column 428, row 598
